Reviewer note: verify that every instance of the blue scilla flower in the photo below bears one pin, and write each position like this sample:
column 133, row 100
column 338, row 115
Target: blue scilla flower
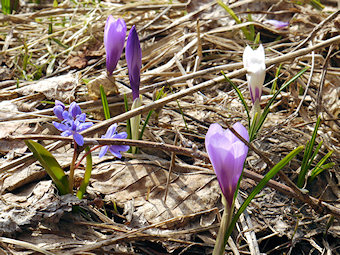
column 114, row 149
column 73, row 121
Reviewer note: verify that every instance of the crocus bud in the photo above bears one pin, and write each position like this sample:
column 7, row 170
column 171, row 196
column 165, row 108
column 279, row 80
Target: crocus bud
column 114, row 39
column 254, row 63
column 277, row 23
column 133, row 55
column 227, row 154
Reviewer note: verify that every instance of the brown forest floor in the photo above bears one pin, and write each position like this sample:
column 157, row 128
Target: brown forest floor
column 50, row 53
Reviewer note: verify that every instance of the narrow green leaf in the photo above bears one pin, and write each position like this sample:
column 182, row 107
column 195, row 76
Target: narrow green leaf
column 320, row 167
column 104, row 103
column 271, row 101
column 238, row 21
column 257, row 38
column 260, row 186
column 307, row 156
column 251, row 28
column 240, row 96
column 51, row 166
column 273, row 89
column 87, row 175
column 316, row 151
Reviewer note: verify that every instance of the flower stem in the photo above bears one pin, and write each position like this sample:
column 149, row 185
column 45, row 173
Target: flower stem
column 225, row 222
column 72, row 167
column 85, row 155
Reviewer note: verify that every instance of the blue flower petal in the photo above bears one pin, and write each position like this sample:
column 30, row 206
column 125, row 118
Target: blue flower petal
column 74, row 110
column 78, row 138
column 103, row 151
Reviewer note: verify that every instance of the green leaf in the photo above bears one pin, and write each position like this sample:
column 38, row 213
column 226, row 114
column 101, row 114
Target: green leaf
column 87, row 175
column 238, row 21
column 240, row 96
column 104, row 102
column 320, row 167
column 260, row 186
column 51, row 166
column 307, row 157
column 271, row 101
column 273, row 90
column 160, row 94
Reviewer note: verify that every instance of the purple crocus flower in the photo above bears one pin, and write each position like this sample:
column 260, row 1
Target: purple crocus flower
column 114, row 39
column 227, row 154
column 133, row 55
column 254, row 62
column 114, row 149
column 73, row 121
column 277, row 23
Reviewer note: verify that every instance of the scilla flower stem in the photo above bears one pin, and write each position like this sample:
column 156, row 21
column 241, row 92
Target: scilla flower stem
column 225, row 222
column 87, row 153
column 72, row 167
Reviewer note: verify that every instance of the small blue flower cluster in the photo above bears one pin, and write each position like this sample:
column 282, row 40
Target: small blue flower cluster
column 73, row 122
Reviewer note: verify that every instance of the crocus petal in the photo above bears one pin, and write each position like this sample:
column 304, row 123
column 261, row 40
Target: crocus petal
column 74, row 110
column 103, row 151
column 114, row 40
column 133, row 55
column 78, row 138
column 254, row 62
column 277, row 23
column 227, row 154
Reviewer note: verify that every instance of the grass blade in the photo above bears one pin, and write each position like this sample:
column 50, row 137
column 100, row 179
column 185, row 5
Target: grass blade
column 104, row 102
column 273, row 89
column 240, row 96
column 260, row 186
column 271, row 101
column 320, row 167
column 238, row 21
column 306, row 162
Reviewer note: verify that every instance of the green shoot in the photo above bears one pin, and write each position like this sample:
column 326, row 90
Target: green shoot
column 320, row 166
column 308, row 157
column 273, row 89
column 87, row 175
column 244, row 30
column 104, row 103
column 159, row 95
column 271, row 101
column 240, row 96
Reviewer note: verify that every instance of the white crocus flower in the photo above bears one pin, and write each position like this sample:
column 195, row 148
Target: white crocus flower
column 254, row 62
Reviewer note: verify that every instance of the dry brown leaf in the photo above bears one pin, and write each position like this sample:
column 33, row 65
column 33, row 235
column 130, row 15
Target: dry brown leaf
column 108, row 82
column 61, row 88
column 37, row 203
column 143, row 183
